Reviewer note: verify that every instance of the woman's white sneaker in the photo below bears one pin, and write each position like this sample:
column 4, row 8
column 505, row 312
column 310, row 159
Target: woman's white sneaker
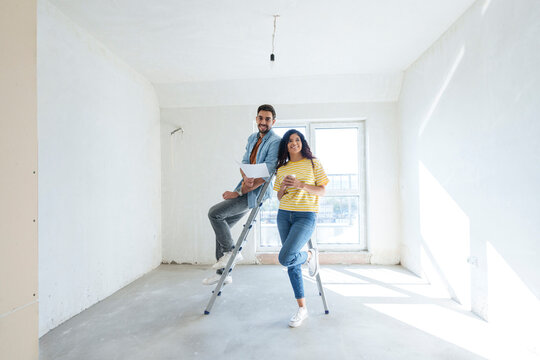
column 297, row 319
column 313, row 263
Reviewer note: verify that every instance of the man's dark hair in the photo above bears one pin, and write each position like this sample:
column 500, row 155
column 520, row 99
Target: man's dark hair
column 267, row 107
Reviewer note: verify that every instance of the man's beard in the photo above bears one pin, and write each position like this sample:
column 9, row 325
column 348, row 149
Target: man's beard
column 267, row 129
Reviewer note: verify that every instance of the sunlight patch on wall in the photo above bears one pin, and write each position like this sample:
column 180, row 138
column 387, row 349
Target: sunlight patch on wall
column 511, row 305
column 445, row 229
column 437, row 98
column 485, row 6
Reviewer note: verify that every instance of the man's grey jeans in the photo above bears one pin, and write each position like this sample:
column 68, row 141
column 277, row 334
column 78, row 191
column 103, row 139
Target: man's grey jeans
column 223, row 216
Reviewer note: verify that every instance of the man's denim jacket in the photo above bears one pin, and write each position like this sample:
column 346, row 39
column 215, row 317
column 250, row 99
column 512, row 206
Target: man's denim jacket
column 267, row 153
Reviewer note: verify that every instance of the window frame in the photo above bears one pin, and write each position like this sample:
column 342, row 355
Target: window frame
column 362, row 151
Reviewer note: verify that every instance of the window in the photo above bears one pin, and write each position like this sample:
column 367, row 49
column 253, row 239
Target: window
column 341, row 222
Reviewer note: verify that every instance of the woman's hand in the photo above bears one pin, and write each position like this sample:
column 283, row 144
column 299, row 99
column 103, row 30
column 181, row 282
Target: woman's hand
column 282, row 191
column 292, row 181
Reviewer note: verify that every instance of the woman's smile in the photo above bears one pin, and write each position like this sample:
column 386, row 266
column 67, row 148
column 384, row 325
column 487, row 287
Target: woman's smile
column 295, row 144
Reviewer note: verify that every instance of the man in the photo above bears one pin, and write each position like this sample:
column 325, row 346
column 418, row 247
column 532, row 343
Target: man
column 262, row 147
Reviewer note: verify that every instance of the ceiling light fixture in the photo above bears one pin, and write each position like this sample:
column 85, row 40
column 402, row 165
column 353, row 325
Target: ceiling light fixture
column 272, row 57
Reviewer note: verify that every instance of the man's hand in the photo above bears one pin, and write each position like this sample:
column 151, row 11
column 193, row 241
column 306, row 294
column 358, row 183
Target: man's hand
column 230, row 195
column 249, row 182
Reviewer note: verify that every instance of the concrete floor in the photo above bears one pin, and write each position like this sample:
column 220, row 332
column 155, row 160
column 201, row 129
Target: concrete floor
column 376, row 312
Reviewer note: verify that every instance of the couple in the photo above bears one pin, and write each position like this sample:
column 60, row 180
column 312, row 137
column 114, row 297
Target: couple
column 300, row 180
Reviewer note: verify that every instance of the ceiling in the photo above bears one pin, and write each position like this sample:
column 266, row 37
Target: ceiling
column 174, row 41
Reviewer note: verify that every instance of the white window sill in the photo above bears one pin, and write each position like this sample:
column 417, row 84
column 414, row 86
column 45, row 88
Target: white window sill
column 326, row 258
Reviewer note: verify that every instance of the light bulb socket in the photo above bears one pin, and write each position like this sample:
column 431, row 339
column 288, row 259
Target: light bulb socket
column 272, row 57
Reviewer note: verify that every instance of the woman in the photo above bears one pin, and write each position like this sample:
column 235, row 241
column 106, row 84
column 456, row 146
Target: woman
column 300, row 180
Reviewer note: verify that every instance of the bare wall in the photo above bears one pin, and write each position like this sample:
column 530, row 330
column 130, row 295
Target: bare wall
column 99, row 163
column 199, row 164
column 469, row 164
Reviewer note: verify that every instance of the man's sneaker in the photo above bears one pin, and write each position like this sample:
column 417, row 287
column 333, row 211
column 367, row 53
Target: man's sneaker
column 214, row 279
column 313, row 263
column 222, row 262
column 297, row 318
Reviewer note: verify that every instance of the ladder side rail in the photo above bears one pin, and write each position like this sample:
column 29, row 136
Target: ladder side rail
column 238, row 247
column 229, row 266
column 320, row 286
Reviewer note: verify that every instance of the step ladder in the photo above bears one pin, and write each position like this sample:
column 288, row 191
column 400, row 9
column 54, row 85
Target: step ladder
column 238, row 247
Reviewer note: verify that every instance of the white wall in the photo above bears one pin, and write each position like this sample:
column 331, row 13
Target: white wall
column 322, row 89
column 99, row 165
column 469, row 163
column 199, row 164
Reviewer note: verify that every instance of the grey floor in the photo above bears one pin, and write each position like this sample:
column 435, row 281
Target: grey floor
column 376, row 312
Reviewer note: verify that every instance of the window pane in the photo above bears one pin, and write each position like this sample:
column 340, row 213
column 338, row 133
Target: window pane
column 338, row 220
column 269, row 232
column 339, row 162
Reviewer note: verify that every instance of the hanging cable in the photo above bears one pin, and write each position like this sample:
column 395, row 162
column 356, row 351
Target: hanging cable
column 272, row 57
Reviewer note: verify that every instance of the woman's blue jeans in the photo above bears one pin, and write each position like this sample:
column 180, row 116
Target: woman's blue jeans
column 295, row 229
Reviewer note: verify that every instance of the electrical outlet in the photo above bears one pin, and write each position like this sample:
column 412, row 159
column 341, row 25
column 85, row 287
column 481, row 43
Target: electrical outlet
column 473, row 260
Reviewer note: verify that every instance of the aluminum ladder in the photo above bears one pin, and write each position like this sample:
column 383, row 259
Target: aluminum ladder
column 238, row 247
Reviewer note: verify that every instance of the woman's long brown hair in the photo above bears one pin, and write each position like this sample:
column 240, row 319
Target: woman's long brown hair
column 283, row 153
